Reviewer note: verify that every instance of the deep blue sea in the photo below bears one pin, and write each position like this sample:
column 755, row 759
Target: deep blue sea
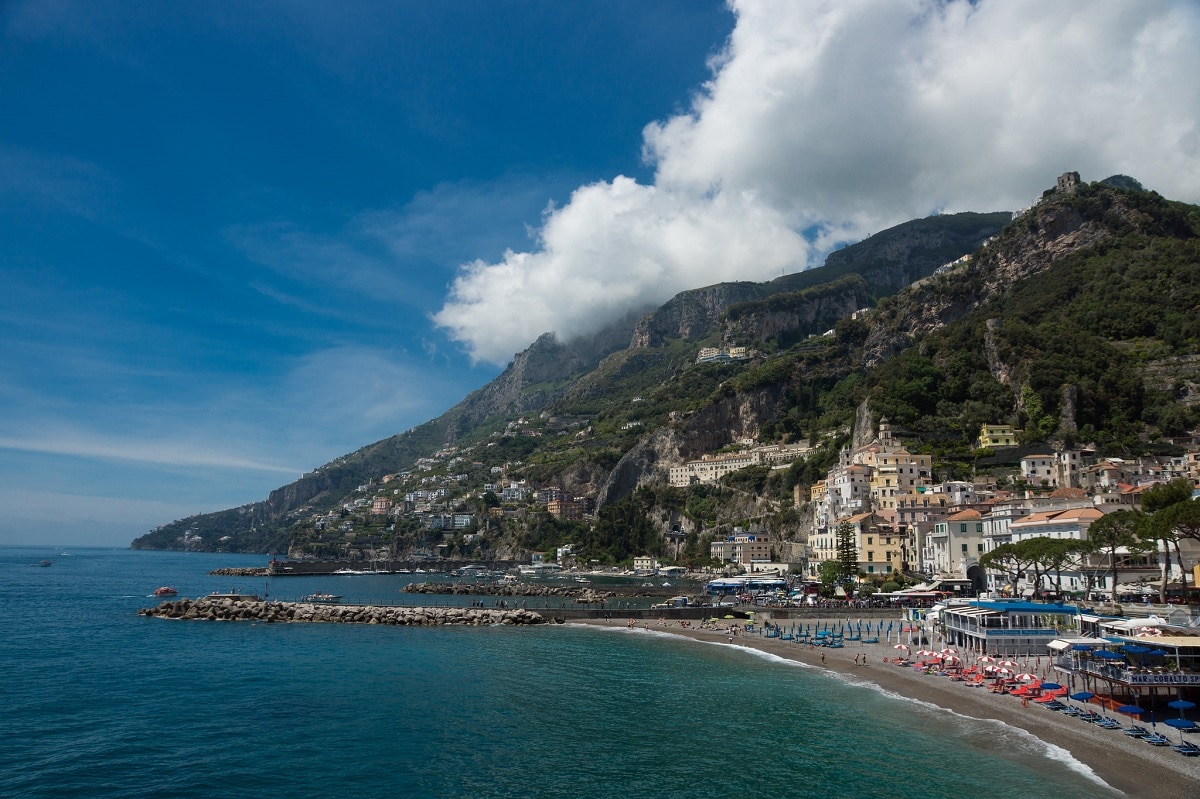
column 96, row 702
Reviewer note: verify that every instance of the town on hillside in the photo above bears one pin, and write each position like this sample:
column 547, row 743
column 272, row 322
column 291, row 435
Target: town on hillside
column 902, row 525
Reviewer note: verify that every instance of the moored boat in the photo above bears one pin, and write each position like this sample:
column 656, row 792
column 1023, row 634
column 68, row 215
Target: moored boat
column 324, row 599
column 165, row 590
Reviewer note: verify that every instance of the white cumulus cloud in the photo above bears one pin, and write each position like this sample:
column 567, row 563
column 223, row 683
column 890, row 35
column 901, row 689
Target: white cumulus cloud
column 838, row 118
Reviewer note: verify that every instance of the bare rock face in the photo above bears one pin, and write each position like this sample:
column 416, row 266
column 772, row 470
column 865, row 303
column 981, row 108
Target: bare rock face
column 690, row 314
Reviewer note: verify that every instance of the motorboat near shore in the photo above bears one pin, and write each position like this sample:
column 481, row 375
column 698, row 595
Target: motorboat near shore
column 323, row 599
column 165, row 590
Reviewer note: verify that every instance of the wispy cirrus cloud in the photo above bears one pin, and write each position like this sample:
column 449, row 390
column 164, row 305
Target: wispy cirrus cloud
column 159, row 452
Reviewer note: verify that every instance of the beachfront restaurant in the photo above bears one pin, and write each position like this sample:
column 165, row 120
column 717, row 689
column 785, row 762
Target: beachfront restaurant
column 1149, row 668
column 1005, row 628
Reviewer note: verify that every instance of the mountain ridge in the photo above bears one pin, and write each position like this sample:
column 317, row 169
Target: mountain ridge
column 619, row 407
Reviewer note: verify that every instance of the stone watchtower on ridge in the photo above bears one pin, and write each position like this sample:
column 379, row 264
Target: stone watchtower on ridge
column 1068, row 182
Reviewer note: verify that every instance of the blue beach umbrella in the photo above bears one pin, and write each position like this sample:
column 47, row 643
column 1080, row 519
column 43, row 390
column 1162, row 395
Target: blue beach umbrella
column 1181, row 705
column 1082, row 696
column 1130, row 710
column 1050, row 686
column 1181, row 725
column 1108, row 654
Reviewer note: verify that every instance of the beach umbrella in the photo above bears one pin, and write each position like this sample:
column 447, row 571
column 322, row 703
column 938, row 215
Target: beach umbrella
column 900, row 646
column 986, row 659
column 1007, row 672
column 1082, row 696
column 1181, row 725
column 1181, row 705
column 1051, row 686
column 1130, row 710
column 1010, row 664
column 1026, row 677
column 949, row 650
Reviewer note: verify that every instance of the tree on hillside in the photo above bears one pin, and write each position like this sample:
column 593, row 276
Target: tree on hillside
column 1008, row 558
column 1183, row 519
column 1115, row 532
column 829, row 572
column 1160, row 532
column 1164, row 495
column 847, row 552
column 1049, row 556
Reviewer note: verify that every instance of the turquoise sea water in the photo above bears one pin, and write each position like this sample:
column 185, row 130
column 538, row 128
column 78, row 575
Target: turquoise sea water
column 99, row 702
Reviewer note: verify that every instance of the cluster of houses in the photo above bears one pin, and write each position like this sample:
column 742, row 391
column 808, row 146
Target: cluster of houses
column 903, row 521
column 711, row 468
column 443, row 492
column 717, row 355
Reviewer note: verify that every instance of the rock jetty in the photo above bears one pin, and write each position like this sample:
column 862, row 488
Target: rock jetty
column 283, row 612
column 507, row 589
column 240, row 571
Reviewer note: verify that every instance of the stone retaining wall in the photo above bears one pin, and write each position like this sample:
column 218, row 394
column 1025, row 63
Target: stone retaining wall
column 243, row 610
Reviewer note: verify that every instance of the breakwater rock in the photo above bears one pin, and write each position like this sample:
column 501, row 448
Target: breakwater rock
column 283, row 612
column 240, row 571
column 507, row 589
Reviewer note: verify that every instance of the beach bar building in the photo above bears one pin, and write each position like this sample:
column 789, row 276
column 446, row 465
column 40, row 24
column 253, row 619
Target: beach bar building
column 1007, row 628
column 1141, row 664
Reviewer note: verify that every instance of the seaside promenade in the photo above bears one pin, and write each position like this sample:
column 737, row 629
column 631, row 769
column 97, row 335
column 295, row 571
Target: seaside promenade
column 1128, row 764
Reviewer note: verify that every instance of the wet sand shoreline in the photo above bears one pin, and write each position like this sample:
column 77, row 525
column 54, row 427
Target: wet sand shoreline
column 1129, row 765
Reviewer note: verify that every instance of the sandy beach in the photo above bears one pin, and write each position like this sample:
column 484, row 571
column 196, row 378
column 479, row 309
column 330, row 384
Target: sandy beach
column 1128, row 764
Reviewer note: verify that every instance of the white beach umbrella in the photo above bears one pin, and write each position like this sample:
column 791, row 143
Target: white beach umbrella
column 986, row 659
column 1026, row 677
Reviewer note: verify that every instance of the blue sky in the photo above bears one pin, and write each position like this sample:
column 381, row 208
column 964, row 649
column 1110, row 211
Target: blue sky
column 239, row 239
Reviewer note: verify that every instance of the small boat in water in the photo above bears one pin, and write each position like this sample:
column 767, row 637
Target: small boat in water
column 46, row 563
column 325, row 599
column 165, row 590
